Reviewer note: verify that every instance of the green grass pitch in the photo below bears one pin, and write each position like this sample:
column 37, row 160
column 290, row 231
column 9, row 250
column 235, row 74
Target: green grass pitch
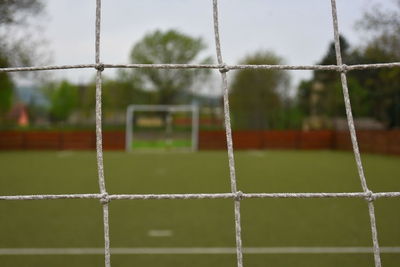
column 162, row 144
column 196, row 223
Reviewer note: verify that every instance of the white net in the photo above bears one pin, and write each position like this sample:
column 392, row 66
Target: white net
column 235, row 194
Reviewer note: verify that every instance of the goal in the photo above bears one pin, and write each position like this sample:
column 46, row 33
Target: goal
column 162, row 126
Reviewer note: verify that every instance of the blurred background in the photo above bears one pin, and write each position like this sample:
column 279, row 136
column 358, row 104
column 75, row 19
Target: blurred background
column 298, row 114
column 43, row 32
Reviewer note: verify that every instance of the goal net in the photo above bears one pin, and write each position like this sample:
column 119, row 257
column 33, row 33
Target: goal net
column 235, row 194
column 162, row 127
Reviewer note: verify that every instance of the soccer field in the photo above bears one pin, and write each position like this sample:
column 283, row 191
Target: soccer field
column 275, row 232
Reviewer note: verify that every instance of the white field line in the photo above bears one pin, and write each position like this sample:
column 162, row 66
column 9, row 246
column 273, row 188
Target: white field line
column 196, row 250
column 159, row 233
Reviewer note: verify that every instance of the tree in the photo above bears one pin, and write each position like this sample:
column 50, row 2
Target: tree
column 17, row 14
column 258, row 97
column 119, row 93
column 384, row 28
column 13, row 13
column 373, row 93
column 320, row 97
column 383, row 46
column 169, row 47
column 64, row 98
column 6, row 89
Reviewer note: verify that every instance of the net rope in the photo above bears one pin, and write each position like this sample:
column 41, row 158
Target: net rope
column 229, row 142
column 235, row 194
column 99, row 142
column 350, row 122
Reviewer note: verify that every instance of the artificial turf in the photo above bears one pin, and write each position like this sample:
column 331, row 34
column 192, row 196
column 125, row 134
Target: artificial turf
column 196, row 223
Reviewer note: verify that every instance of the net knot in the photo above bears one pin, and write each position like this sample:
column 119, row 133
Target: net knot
column 239, row 195
column 370, row 196
column 343, row 68
column 105, row 199
column 223, row 68
column 99, row 67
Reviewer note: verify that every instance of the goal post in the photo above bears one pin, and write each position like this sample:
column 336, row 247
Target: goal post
column 169, row 109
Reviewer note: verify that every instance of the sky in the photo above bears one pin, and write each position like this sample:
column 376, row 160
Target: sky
column 298, row 31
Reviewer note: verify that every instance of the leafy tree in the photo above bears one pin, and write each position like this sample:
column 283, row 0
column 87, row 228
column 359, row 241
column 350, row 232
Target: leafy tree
column 384, row 28
column 321, row 97
column 6, row 89
column 120, row 93
column 258, row 98
column 64, row 98
column 17, row 14
column 373, row 93
column 13, row 13
column 384, row 84
column 117, row 94
column 169, row 47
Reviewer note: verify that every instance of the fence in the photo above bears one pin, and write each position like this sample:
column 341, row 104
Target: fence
column 383, row 142
column 57, row 140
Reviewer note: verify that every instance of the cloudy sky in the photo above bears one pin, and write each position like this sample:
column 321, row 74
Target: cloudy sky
column 298, row 31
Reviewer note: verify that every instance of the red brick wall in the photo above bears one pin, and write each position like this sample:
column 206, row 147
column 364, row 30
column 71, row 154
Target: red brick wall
column 212, row 140
column 78, row 140
column 384, row 142
column 393, row 138
column 114, row 140
column 316, row 140
column 11, row 140
column 268, row 139
column 281, row 139
column 42, row 140
column 55, row 140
